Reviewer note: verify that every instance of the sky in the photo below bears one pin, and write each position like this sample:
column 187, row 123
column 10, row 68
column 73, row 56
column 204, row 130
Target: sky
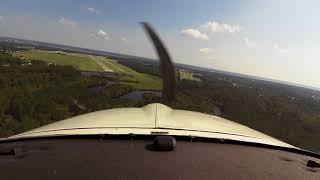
column 277, row 39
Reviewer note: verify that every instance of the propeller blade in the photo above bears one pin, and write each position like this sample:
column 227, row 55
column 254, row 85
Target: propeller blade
column 167, row 67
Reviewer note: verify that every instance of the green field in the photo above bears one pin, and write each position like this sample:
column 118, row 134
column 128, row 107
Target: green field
column 79, row 62
column 86, row 63
column 188, row 75
column 145, row 81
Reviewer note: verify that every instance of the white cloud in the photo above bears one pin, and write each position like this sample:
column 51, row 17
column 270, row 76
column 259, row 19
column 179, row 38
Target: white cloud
column 67, row 22
column 194, row 33
column 205, row 50
column 93, row 10
column 102, row 34
column 280, row 50
column 124, row 39
column 214, row 26
column 210, row 27
column 250, row 43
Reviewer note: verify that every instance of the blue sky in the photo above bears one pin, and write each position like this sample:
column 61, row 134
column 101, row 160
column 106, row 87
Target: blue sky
column 273, row 39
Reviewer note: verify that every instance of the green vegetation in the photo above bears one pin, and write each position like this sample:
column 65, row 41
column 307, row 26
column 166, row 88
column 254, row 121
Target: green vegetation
column 85, row 63
column 288, row 113
column 34, row 94
column 114, row 65
column 79, row 62
column 137, row 80
column 116, row 90
column 188, row 75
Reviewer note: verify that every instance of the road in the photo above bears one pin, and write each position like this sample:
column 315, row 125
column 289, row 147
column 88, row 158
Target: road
column 103, row 66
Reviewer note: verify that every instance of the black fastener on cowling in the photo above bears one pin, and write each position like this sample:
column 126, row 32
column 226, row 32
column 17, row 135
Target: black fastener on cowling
column 162, row 143
column 313, row 164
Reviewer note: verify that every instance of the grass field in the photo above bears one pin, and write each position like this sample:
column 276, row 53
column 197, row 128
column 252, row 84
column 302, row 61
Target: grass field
column 79, row 62
column 145, row 81
column 100, row 63
column 86, row 63
column 188, row 75
column 113, row 65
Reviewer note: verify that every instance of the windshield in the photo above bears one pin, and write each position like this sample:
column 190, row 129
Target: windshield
column 252, row 62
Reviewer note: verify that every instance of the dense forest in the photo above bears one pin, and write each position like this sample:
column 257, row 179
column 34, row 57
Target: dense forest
column 291, row 114
column 34, row 93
